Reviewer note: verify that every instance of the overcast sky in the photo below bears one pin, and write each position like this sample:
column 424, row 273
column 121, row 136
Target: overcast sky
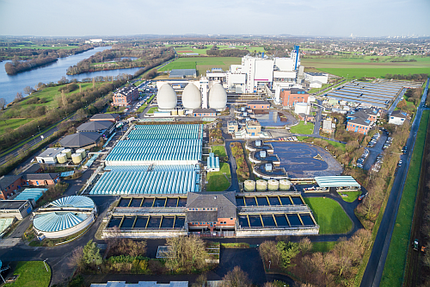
column 167, row 17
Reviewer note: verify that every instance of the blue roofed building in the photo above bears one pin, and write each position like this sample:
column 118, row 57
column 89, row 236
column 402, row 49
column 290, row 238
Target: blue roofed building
column 212, row 163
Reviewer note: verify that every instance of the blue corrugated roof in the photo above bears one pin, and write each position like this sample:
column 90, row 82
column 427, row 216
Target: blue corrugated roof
column 31, row 193
column 336, row 181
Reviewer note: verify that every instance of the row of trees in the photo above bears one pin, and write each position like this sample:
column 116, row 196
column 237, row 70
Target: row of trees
column 147, row 57
column 413, row 77
column 227, row 53
column 337, row 267
column 242, row 166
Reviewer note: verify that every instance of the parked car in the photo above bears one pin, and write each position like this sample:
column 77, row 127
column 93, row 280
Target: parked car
column 415, row 244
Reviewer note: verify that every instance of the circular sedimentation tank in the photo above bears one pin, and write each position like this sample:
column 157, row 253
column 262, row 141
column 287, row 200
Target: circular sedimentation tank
column 67, row 152
column 82, row 152
column 62, row 158
column 261, row 185
column 76, row 158
column 249, row 185
column 273, row 184
column 284, row 184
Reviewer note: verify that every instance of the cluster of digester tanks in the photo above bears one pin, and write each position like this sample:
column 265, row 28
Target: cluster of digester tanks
column 67, row 154
column 263, row 185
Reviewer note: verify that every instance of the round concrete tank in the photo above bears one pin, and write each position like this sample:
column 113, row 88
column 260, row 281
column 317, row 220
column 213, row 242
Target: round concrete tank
column 181, row 112
column 263, row 153
column 249, row 185
column 284, row 184
column 62, row 158
column 273, row 184
column 82, row 152
column 166, row 97
column 261, row 185
column 174, row 112
column 191, row 97
column 76, row 158
column 217, row 97
column 67, row 152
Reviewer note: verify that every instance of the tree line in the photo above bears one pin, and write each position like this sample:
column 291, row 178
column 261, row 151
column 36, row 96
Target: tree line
column 414, row 77
column 147, row 57
column 37, row 58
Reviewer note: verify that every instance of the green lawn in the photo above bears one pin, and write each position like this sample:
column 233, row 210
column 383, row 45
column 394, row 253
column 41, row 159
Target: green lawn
column 31, row 274
column 323, row 246
column 301, row 128
column 219, row 150
column 335, row 144
column 12, row 123
column 152, row 110
column 329, row 215
column 217, row 180
column 142, row 108
column 351, row 195
column 400, row 240
column 363, row 67
column 202, row 63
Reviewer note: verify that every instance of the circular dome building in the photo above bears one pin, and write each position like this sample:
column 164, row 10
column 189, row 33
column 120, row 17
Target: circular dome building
column 217, row 97
column 191, row 97
column 65, row 216
column 166, row 97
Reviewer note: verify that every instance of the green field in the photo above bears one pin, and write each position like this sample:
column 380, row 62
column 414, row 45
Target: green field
column 189, row 49
column 303, row 129
column 12, row 124
column 351, row 195
column 400, row 240
column 31, row 274
column 364, row 67
column 329, row 215
column 324, row 246
column 219, row 180
column 335, row 144
column 201, row 64
column 43, row 47
column 219, row 150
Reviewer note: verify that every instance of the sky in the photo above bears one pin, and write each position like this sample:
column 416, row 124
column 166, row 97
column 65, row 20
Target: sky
column 338, row 18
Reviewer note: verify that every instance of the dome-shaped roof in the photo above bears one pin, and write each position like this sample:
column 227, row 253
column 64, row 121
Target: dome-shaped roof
column 191, row 98
column 166, row 97
column 217, row 97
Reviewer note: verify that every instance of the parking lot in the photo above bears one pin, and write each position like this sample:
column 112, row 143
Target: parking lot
column 302, row 160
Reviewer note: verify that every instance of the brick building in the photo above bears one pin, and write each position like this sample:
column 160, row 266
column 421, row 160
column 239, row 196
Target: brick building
column 204, row 113
column 361, row 121
column 258, row 105
column 9, row 184
column 290, row 97
column 41, row 179
column 125, row 96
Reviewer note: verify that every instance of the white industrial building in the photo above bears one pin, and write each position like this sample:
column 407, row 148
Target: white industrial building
column 302, row 108
column 49, row 156
column 316, row 80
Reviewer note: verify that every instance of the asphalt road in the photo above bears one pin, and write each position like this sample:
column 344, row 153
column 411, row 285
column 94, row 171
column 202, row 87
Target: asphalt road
column 375, row 267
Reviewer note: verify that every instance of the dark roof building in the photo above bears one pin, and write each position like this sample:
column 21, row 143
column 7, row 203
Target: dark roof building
column 80, row 140
column 183, row 73
column 9, row 184
column 96, row 126
column 105, row 117
column 204, row 112
column 258, row 105
column 361, row 121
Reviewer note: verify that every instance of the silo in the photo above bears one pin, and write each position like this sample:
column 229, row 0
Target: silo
column 249, row 185
column 76, row 158
column 261, row 185
column 62, row 158
column 263, row 153
column 67, row 152
column 82, row 152
column 273, row 184
column 284, row 184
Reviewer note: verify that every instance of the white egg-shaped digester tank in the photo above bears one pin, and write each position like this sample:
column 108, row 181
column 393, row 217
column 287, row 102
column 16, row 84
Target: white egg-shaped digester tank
column 191, row 97
column 67, row 152
column 284, row 184
column 249, row 185
column 62, row 158
column 261, row 185
column 166, row 97
column 76, row 158
column 273, row 184
column 217, row 97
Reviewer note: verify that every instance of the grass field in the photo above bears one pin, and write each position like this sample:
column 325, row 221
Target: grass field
column 323, row 246
column 335, row 144
column 202, row 63
column 400, row 240
column 12, row 123
column 31, row 274
column 219, row 150
column 217, row 180
column 189, row 49
column 364, row 67
column 329, row 215
column 43, row 47
column 303, row 129
column 351, row 195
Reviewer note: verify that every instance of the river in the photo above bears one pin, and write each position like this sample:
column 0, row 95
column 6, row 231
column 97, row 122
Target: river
column 10, row 85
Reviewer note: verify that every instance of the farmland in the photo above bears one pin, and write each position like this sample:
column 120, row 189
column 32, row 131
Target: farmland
column 202, row 63
column 365, row 67
column 189, row 49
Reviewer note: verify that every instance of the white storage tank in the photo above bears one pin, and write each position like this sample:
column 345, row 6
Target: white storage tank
column 261, row 185
column 284, row 184
column 273, row 184
column 82, row 152
column 76, row 158
column 67, row 152
column 61, row 158
column 249, row 185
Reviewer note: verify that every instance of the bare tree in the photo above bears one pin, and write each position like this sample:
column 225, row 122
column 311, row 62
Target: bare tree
column 18, row 97
column 76, row 258
column 2, row 103
column 236, row 278
column 28, row 90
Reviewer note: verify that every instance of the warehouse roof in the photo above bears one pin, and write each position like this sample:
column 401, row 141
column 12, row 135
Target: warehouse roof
column 182, row 73
column 224, row 202
column 51, row 152
column 40, row 176
column 336, row 181
column 80, row 139
column 105, row 117
column 31, row 193
column 258, row 103
column 7, row 180
column 12, row 204
column 399, row 114
column 95, row 126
